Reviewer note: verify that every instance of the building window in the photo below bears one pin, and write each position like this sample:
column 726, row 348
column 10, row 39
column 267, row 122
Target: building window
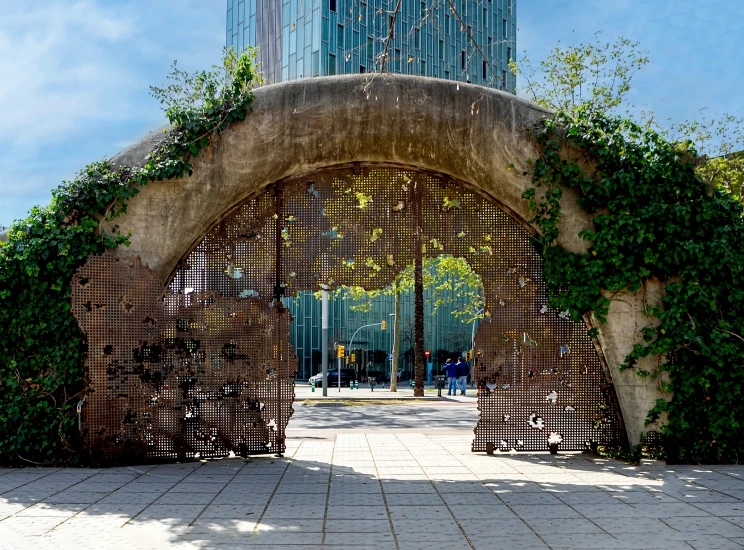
column 446, row 75
column 441, row 50
column 508, row 7
column 423, row 67
column 331, row 64
column 316, row 63
column 340, row 36
column 485, row 70
column 446, row 23
column 332, row 4
column 416, row 38
column 485, row 17
column 397, row 60
column 391, row 26
column 370, row 49
column 503, row 80
column 362, row 69
column 508, row 54
column 504, row 30
column 462, row 60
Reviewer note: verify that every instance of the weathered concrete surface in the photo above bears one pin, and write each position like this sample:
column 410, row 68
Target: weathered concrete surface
column 625, row 322
column 468, row 132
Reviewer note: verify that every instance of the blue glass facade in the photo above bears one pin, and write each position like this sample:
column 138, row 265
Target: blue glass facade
column 441, row 330
column 305, row 38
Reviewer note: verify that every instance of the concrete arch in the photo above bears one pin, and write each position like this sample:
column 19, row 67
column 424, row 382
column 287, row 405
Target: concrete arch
column 468, row 132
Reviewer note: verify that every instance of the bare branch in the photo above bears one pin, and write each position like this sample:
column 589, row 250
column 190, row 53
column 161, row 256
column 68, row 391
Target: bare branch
column 391, row 33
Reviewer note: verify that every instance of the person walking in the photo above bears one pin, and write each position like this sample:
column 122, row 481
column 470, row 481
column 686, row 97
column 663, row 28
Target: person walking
column 462, row 374
column 450, row 370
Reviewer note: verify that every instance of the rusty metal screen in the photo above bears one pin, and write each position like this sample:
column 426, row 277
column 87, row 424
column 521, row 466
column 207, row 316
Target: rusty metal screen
column 205, row 367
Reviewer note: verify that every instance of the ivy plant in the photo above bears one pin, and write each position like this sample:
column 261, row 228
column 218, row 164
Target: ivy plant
column 654, row 219
column 41, row 346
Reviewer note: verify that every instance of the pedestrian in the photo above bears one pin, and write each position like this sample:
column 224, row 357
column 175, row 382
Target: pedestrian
column 450, row 370
column 462, row 374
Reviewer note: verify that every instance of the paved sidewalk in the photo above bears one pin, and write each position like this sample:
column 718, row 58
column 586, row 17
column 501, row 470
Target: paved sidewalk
column 316, row 419
column 377, row 491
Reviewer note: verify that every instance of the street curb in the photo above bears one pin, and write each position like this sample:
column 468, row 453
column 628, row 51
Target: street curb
column 379, row 401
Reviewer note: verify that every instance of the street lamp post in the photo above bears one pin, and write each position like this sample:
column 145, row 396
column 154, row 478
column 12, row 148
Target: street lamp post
column 324, row 339
column 351, row 342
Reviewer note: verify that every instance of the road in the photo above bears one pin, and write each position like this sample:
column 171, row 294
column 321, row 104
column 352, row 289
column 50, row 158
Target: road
column 414, row 416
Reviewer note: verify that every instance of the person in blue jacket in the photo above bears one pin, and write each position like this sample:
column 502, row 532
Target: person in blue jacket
column 450, row 369
column 462, row 374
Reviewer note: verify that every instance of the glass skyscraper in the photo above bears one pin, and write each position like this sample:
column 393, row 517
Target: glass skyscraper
column 306, row 38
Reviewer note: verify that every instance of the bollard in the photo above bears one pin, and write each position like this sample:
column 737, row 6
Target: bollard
column 312, row 385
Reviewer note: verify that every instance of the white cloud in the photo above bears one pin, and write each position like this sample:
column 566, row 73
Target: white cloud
column 74, row 78
column 54, row 71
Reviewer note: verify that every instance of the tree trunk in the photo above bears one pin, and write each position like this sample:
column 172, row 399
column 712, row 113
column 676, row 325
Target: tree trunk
column 396, row 339
column 418, row 302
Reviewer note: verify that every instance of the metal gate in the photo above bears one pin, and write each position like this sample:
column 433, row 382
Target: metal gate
column 204, row 367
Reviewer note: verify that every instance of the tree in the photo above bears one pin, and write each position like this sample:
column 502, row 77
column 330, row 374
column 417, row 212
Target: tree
column 720, row 142
column 599, row 75
column 454, row 283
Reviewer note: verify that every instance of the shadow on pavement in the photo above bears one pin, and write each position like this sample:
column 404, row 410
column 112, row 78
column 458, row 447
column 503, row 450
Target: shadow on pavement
column 376, row 491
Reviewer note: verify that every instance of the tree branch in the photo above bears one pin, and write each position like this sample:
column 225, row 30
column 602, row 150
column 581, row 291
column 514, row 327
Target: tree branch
column 389, row 37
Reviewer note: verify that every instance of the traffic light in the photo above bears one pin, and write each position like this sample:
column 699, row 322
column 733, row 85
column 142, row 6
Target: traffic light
column 353, row 357
column 340, row 351
column 384, row 325
column 468, row 355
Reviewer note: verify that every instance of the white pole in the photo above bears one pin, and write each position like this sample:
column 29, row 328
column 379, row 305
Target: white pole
column 324, row 339
column 392, row 345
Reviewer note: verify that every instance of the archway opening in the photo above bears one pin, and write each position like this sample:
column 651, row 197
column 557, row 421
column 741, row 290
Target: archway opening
column 223, row 335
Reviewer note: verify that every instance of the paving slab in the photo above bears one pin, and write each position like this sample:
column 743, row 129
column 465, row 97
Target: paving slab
column 379, row 490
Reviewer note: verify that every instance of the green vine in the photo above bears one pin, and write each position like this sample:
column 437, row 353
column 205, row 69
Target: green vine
column 654, row 219
column 41, row 346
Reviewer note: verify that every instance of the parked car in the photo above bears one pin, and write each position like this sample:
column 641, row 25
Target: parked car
column 347, row 375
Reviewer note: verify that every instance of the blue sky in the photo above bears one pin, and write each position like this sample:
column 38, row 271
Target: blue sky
column 74, row 75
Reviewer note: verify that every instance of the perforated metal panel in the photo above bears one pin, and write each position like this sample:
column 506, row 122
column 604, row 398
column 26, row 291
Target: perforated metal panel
column 205, row 365
column 179, row 375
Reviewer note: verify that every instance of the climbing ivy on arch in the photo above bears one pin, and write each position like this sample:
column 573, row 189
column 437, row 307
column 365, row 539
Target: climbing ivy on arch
column 41, row 346
column 654, row 219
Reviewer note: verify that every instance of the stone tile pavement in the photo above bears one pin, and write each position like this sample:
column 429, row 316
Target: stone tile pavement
column 377, row 491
